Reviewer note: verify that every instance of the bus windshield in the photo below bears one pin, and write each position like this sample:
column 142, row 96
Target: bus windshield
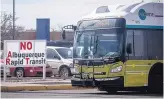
column 98, row 43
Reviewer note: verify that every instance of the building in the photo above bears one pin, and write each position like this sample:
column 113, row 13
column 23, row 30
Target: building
column 54, row 35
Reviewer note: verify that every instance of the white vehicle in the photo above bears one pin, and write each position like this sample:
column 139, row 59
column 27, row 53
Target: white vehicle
column 60, row 59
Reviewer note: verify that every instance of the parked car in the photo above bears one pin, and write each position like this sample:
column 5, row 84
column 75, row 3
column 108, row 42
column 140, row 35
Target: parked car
column 30, row 71
column 60, row 59
column 8, row 74
column 25, row 71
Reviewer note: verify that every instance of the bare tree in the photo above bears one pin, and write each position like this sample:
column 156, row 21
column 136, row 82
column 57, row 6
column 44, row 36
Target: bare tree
column 7, row 28
column 60, row 26
column 52, row 29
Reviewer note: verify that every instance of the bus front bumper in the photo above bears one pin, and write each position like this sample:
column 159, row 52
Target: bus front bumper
column 108, row 82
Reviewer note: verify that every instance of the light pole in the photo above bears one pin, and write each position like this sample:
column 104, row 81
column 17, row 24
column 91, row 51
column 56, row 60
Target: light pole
column 13, row 19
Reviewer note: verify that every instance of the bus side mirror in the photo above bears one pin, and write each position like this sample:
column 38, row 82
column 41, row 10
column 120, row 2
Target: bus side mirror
column 129, row 48
column 74, row 28
column 74, row 52
column 63, row 35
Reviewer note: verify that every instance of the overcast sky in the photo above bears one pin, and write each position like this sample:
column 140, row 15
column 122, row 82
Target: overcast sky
column 60, row 12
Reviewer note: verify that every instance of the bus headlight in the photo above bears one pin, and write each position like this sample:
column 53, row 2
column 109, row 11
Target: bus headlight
column 117, row 69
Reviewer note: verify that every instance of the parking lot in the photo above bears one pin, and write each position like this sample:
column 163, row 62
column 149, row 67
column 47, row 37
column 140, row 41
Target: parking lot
column 87, row 93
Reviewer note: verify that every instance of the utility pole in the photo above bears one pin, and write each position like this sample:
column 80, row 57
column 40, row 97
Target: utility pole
column 13, row 19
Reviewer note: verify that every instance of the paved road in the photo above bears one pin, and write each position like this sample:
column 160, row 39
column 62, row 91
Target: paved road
column 89, row 93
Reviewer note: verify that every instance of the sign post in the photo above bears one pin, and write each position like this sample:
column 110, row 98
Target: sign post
column 44, row 72
column 4, row 73
column 25, row 53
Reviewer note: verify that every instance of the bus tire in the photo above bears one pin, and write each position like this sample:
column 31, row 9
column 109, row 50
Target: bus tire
column 155, row 80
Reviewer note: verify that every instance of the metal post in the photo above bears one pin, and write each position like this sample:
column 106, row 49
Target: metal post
column 4, row 73
column 44, row 72
column 93, row 78
column 13, row 19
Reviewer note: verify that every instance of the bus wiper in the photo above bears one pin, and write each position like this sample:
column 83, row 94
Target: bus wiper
column 95, row 51
column 92, row 24
column 79, row 36
column 90, row 45
column 111, row 57
column 96, row 44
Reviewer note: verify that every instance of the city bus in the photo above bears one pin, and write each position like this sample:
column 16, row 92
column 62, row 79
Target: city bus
column 122, row 48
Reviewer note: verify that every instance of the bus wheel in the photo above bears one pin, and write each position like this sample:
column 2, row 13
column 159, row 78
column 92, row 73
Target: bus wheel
column 155, row 84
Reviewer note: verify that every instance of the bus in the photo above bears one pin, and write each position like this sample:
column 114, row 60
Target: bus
column 122, row 48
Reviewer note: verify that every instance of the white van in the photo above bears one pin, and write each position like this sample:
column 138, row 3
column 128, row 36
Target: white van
column 60, row 59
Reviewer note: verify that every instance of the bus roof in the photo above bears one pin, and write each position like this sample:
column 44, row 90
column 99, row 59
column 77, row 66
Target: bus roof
column 137, row 15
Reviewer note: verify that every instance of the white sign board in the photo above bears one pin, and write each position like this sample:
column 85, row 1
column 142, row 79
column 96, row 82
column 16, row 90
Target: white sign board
column 20, row 53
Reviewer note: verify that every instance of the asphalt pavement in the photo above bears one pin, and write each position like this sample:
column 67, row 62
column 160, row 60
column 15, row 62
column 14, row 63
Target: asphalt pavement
column 79, row 93
column 85, row 93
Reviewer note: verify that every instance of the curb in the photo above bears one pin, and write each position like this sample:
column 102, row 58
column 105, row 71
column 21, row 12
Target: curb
column 37, row 88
